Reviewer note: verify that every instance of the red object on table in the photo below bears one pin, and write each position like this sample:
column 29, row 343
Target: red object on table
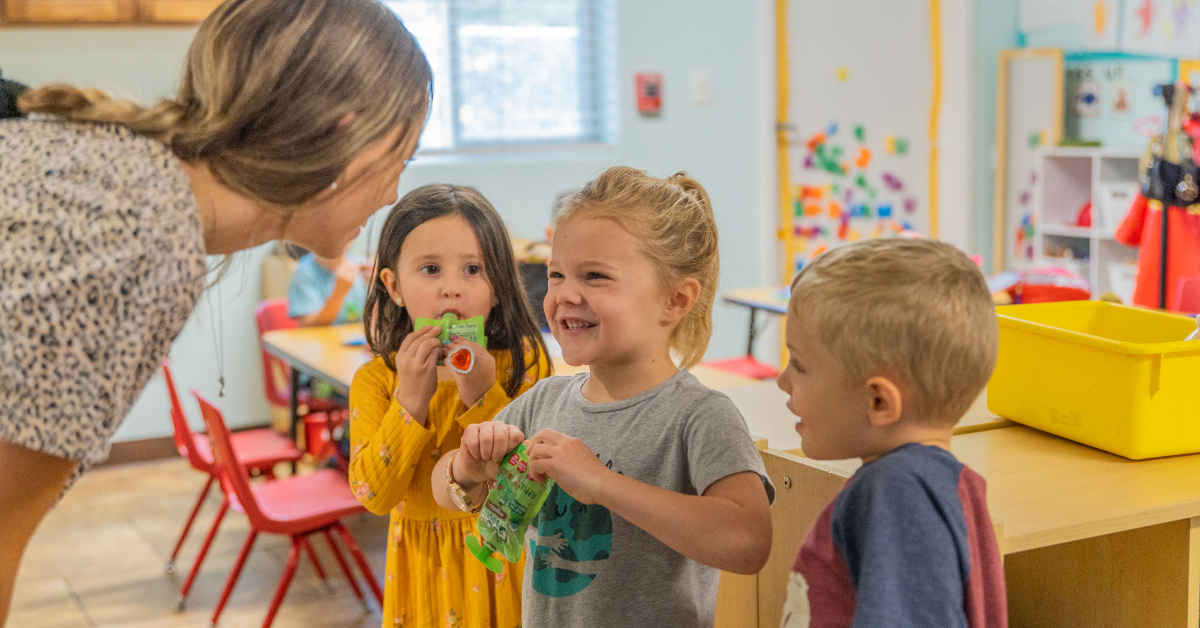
column 1141, row 228
column 745, row 366
column 1084, row 217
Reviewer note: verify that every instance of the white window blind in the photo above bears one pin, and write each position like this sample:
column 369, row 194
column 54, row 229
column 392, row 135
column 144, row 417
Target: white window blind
column 516, row 72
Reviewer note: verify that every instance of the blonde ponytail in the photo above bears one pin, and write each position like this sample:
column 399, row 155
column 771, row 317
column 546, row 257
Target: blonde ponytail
column 95, row 105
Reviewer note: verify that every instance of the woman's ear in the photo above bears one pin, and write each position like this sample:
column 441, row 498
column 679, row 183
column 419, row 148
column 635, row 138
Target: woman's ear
column 681, row 300
column 392, row 283
column 885, row 403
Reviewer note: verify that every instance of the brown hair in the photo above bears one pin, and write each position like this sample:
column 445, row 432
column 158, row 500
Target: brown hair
column 510, row 324
column 673, row 219
column 277, row 96
column 917, row 309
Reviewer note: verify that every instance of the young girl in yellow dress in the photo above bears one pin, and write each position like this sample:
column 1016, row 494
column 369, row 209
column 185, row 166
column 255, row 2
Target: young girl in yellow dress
column 442, row 249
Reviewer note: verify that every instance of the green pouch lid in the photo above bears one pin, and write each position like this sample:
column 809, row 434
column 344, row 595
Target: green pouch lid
column 469, row 328
column 484, row 554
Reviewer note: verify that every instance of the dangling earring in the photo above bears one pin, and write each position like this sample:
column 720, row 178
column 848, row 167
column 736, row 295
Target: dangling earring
column 399, row 302
column 333, row 186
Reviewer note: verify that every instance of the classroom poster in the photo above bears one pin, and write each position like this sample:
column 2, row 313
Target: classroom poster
column 1071, row 24
column 1166, row 28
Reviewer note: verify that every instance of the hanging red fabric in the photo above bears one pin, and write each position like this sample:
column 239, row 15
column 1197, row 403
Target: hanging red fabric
column 1141, row 228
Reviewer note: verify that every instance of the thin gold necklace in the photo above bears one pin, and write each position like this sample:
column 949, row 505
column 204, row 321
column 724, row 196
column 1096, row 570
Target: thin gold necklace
column 218, row 318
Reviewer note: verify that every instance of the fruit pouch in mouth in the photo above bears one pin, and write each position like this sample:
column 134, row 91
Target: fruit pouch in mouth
column 468, row 329
column 507, row 512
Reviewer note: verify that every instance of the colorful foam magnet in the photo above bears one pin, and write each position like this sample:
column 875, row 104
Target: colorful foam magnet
column 1024, row 198
column 843, row 74
column 889, row 144
column 910, row 205
column 815, row 141
column 1037, row 139
column 821, row 248
column 861, row 181
column 835, row 209
column 896, row 228
column 811, row 191
column 877, row 231
column 797, row 208
column 864, row 157
column 901, row 146
column 892, row 182
column 907, row 226
column 854, row 235
column 843, row 231
column 808, row 162
column 885, row 210
column 812, row 209
column 832, row 129
column 866, row 211
column 860, row 133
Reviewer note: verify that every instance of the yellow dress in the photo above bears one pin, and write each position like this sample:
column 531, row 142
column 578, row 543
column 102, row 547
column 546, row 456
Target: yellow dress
column 431, row 580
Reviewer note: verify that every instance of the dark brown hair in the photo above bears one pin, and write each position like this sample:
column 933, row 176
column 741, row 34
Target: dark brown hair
column 510, row 323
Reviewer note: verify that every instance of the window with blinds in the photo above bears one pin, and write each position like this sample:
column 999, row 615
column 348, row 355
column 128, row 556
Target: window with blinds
column 516, row 72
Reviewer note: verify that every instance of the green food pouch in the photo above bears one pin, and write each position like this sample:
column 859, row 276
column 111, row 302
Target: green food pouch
column 508, row 511
column 467, row 328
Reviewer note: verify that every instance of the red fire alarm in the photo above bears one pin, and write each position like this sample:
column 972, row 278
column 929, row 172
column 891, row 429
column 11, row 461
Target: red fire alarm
column 649, row 93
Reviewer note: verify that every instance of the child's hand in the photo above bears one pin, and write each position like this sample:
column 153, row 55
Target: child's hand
column 569, row 462
column 483, row 448
column 346, row 272
column 473, row 385
column 416, row 371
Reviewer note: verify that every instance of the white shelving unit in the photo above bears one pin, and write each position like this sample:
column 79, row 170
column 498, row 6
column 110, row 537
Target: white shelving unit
column 1069, row 178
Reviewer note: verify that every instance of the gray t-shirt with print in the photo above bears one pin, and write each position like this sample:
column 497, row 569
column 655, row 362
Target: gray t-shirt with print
column 587, row 567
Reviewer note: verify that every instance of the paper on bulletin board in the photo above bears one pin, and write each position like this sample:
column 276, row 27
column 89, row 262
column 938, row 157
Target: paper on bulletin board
column 1071, row 24
column 1168, row 28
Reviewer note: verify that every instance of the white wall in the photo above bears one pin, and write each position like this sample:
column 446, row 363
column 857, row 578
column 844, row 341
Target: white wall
column 728, row 146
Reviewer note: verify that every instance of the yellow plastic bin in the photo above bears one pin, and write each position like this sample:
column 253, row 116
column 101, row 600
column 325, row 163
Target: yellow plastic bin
column 1118, row 378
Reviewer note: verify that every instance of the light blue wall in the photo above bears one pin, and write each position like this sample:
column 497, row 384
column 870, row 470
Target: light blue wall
column 995, row 29
column 728, row 146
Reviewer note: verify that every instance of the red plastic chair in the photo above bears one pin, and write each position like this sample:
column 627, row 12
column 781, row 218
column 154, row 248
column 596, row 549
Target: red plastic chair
column 270, row 315
column 260, row 450
column 297, row 506
column 1188, row 295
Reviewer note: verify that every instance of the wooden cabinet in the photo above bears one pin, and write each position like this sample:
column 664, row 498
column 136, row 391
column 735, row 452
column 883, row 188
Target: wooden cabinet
column 106, row 11
column 175, row 11
column 70, row 11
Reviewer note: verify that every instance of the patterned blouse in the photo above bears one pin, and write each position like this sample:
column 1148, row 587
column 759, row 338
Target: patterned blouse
column 101, row 262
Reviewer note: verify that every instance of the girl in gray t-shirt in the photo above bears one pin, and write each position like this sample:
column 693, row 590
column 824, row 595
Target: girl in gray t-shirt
column 658, row 484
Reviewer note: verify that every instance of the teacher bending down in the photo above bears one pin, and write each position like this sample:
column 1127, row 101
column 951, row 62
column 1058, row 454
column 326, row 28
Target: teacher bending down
column 294, row 119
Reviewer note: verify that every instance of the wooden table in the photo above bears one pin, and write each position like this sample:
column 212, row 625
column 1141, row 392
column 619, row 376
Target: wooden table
column 1089, row 538
column 322, row 352
column 763, row 406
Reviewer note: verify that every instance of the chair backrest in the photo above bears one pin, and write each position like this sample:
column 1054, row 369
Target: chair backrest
column 183, row 436
column 1188, row 295
column 270, row 315
column 235, row 480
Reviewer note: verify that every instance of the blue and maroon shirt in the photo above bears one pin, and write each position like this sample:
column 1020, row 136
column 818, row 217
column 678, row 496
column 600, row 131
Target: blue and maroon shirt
column 907, row 543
